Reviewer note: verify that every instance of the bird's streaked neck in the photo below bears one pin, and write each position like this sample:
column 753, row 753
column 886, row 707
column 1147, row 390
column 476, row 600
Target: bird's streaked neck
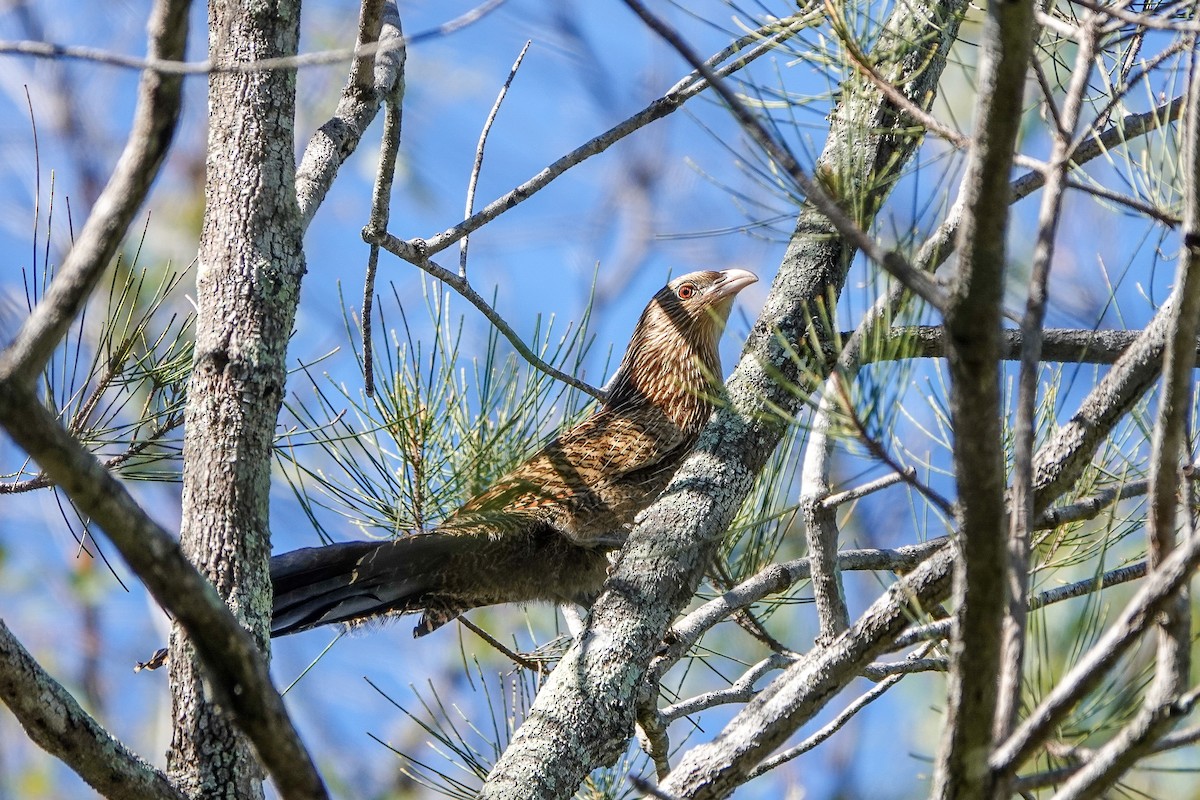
column 672, row 364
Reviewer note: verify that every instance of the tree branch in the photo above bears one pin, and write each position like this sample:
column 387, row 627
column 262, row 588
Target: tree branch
column 583, row 717
column 765, row 39
column 462, row 286
column 235, row 667
column 815, row 195
column 716, row 768
column 1090, row 669
column 1160, row 708
column 973, row 320
column 1020, row 495
column 374, row 76
column 1063, row 345
column 477, row 166
column 838, row 722
column 154, row 122
column 56, row 723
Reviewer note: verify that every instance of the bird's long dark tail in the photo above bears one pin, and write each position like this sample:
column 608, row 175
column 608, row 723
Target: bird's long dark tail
column 357, row 580
column 440, row 574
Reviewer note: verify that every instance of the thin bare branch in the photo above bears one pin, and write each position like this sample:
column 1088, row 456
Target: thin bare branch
column 915, row 280
column 1133, row 622
column 1021, row 516
column 1132, row 203
column 376, row 77
column 870, row 487
column 513, row 656
column 885, row 669
column 477, row 166
column 764, row 41
column 739, row 691
column 1090, row 507
column 460, row 285
column 168, row 66
column 1160, row 707
column 381, row 194
column 154, row 122
column 838, row 722
column 57, row 724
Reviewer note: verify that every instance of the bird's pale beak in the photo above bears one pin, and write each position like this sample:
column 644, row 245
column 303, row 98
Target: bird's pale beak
column 733, row 281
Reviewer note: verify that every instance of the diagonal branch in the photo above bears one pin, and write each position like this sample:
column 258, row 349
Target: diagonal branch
column 765, row 39
column 419, row 252
column 56, row 723
column 404, row 250
column 373, row 78
column 716, row 768
column 1091, row 668
column 1160, row 708
column 154, row 122
column 915, row 280
column 477, row 166
column 235, row 668
column 583, row 717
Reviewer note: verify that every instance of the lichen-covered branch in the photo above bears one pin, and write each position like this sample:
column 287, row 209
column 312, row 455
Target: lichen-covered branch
column 57, row 724
column 372, row 79
column 235, row 669
column 583, row 717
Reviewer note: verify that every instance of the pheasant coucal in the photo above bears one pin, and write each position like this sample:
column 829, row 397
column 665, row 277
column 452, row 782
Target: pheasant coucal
column 543, row 531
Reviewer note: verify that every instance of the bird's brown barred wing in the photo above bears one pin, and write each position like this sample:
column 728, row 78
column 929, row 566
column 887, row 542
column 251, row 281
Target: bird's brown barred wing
column 590, row 482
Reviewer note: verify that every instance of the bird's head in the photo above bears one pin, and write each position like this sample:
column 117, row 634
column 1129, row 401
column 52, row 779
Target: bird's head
column 698, row 304
column 674, row 346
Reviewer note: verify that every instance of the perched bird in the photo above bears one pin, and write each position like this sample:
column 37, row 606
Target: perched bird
column 543, row 531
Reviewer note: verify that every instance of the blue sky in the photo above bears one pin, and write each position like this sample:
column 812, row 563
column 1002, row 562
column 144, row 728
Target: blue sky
column 658, row 204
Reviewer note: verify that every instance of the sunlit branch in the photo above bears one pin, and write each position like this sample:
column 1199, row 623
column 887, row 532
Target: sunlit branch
column 154, row 122
column 765, row 40
column 56, row 723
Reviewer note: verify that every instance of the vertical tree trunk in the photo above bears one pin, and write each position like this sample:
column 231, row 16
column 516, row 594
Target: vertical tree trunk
column 248, row 284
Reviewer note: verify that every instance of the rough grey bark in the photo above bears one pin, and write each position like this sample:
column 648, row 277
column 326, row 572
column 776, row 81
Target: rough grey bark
column 715, row 769
column 248, row 282
column 1161, row 708
column 370, row 81
column 54, row 720
column 972, row 323
column 584, row 716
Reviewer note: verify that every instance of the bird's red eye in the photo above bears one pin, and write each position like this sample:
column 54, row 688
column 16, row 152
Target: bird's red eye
column 686, row 292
